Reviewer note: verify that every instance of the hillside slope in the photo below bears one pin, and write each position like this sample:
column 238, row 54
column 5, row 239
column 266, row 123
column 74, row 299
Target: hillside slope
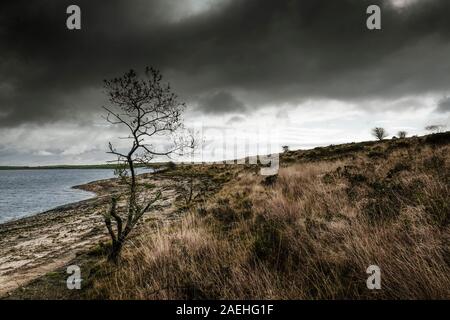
column 309, row 233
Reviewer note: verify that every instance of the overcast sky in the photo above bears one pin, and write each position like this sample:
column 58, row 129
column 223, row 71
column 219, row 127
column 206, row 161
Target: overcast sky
column 301, row 73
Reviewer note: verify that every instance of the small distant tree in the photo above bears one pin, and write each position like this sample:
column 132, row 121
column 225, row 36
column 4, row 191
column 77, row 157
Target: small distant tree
column 402, row 134
column 379, row 133
column 285, row 149
column 146, row 108
column 435, row 128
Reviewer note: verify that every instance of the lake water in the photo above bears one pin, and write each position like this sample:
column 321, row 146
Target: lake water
column 27, row 192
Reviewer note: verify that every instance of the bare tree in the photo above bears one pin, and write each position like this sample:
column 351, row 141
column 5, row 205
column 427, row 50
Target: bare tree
column 435, row 128
column 379, row 133
column 146, row 108
column 402, row 134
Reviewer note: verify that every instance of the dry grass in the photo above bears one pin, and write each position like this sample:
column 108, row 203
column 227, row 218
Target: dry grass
column 310, row 235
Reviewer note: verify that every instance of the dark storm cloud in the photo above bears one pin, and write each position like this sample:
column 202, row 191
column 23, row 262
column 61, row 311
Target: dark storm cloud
column 270, row 51
column 220, row 103
column 444, row 105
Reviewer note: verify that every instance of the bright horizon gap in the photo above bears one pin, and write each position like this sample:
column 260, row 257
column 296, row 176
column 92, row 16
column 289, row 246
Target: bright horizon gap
column 197, row 162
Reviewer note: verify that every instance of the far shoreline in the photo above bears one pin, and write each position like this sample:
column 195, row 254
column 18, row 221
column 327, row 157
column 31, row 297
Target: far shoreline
column 155, row 165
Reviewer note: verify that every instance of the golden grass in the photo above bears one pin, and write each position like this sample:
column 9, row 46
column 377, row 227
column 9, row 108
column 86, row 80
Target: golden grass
column 311, row 235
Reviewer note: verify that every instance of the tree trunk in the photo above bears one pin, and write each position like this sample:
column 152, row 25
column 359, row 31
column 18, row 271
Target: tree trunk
column 114, row 254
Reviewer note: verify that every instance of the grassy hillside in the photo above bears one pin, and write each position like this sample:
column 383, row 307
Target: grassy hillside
column 309, row 233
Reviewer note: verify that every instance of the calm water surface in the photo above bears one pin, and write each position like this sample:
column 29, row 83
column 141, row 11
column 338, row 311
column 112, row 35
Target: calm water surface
column 27, row 192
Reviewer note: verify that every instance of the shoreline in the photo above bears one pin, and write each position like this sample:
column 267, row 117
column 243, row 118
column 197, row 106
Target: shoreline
column 155, row 165
column 34, row 245
column 86, row 187
column 58, row 208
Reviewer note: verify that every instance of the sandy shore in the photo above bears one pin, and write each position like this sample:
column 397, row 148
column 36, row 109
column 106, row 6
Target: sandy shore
column 33, row 246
